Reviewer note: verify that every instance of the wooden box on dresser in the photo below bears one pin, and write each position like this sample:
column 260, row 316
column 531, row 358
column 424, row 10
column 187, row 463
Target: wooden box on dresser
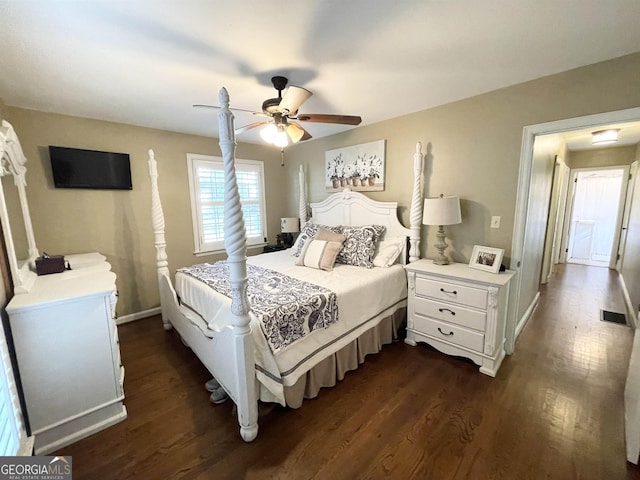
column 68, row 354
column 459, row 310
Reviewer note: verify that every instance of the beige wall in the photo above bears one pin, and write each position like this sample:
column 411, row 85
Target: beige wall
column 603, row 157
column 475, row 146
column 2, row 110
column 473, row 151
column 118, row 223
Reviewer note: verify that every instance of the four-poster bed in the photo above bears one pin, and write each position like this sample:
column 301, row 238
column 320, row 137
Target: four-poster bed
column 257, row 357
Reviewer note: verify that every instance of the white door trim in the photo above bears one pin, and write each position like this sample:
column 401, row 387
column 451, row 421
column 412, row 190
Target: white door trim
column 522, row 196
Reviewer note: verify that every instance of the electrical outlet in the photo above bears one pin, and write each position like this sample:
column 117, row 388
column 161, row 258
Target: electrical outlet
column 495, row 222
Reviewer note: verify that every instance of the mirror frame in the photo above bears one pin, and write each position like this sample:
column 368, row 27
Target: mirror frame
column 12, row 161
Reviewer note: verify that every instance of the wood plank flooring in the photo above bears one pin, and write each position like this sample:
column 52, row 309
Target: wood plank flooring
column 554, row 411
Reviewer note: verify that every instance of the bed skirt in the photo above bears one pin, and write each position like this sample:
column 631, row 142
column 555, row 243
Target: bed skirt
column 332, row 369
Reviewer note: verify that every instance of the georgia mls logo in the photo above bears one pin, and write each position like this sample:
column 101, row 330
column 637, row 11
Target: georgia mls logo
column 35, row 468
column 62, row 467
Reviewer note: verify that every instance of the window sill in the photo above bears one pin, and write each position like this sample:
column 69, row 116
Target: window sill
column 223, row 251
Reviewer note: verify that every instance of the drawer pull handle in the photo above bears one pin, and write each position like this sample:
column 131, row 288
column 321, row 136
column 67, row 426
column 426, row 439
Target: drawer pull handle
column 446, row 310
column 454, row 292
column 447, row 334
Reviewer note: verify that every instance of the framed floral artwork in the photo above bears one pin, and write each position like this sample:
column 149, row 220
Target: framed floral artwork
column 359, row 167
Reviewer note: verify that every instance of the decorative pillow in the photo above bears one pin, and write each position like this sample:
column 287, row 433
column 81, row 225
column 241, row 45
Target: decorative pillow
column 329, row 236
column 388, row 251
column 308, row 232
column 360, row 245
column 320, row 254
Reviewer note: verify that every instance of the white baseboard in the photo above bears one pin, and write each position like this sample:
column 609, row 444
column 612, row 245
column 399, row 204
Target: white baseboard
column 527, row 314
column 627, row 303
column 132, row 317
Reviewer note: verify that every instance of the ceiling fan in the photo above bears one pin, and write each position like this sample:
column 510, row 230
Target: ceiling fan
column 283, row 109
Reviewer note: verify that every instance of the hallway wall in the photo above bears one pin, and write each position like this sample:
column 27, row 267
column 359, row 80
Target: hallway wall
column 631, row 263
column 603, row 157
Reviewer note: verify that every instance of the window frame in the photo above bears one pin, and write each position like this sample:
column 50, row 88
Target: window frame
column 195, row 161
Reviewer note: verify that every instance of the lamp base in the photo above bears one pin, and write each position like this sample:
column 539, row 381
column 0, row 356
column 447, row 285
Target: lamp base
column 441, row 260
column 441, row 246
column 284, row 240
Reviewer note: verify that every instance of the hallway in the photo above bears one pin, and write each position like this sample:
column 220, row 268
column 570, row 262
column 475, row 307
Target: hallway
column 579, row 364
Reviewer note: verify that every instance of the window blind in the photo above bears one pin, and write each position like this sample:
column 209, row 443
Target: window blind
column 206, row 176
column 12, row 430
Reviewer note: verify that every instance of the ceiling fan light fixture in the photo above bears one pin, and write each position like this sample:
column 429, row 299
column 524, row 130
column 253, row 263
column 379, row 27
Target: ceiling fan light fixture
column 602, row 137
column 281, row 140
column 269, row 132
column 295, row 132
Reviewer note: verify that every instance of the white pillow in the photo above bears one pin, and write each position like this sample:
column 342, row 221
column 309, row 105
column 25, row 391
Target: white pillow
column 388, row 251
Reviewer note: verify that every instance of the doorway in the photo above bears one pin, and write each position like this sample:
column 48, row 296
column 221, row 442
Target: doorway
column 524, row 292
column 595, row 209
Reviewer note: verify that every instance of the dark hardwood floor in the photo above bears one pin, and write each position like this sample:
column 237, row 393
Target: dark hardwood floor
column 555, row 410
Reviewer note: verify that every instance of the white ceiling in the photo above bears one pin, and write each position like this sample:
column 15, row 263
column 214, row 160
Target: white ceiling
column 146, row 62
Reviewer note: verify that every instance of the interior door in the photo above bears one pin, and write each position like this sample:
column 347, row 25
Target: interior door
column 595, row 216
column 622, row 242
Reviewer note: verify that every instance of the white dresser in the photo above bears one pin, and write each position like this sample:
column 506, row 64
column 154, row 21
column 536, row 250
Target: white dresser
column 68, row 353
column 459, row 310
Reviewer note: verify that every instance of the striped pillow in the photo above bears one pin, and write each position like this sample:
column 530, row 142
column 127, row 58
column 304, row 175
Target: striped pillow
column 320, row 254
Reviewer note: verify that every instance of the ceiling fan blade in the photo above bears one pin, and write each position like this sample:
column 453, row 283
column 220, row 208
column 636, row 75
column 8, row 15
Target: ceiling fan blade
column 292, row 100
column 322, row 118
column 248, row 127
column 297, row 133
column 200, row 105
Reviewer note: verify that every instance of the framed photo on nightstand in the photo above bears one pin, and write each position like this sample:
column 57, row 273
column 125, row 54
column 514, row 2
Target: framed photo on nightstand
column 486, row 258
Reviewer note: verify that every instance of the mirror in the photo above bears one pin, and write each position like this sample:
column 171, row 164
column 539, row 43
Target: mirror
column 12, row 167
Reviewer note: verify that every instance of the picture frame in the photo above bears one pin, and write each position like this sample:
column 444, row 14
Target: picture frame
column 488, row 259
column 358, row 167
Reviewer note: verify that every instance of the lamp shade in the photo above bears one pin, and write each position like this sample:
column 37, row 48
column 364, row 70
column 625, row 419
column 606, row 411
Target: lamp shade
column 289, row 225
column 441, row 211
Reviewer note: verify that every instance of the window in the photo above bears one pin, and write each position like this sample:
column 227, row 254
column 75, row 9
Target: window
column 206, row 184
column 13, row 439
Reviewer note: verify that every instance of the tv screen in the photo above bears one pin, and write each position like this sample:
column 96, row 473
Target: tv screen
column 76, row 168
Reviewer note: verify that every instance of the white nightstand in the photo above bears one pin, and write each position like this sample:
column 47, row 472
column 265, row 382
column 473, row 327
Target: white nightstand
column 459, row 310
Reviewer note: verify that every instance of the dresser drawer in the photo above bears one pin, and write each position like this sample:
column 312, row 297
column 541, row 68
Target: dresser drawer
column 451, row 313
column 450, row 292
column 449, row 333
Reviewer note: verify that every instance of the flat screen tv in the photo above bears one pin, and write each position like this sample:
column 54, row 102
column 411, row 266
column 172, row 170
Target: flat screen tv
column 76, row 168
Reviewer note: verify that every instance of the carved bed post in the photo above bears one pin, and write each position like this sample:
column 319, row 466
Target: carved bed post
column 416, row 205
column 302, row 198
column 235, row 243
column 157, row 219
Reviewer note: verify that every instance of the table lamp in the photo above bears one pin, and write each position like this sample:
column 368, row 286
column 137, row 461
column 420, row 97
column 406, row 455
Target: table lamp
column 288, row 226
column 441, row 211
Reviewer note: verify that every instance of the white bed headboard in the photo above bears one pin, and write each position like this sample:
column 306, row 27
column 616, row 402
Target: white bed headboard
column 355, row 209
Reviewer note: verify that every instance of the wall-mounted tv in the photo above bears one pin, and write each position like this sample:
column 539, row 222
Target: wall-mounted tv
column 77, row 168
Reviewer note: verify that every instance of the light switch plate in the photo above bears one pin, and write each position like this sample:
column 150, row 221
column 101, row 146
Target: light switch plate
column 495, row 222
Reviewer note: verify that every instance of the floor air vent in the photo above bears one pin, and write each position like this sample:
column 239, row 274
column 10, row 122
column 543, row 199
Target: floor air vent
column 614, row 317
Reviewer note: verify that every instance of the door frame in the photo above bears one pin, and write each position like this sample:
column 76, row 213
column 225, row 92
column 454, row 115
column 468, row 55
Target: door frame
column 622, row 239
column 529, row 134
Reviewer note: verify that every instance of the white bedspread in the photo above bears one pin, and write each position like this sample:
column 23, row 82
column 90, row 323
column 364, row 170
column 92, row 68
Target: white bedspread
column 365, row 296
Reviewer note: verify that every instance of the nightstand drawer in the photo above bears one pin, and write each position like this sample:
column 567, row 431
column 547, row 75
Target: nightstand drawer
column 450, row 292
column 451, row 313
column 450, row 333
